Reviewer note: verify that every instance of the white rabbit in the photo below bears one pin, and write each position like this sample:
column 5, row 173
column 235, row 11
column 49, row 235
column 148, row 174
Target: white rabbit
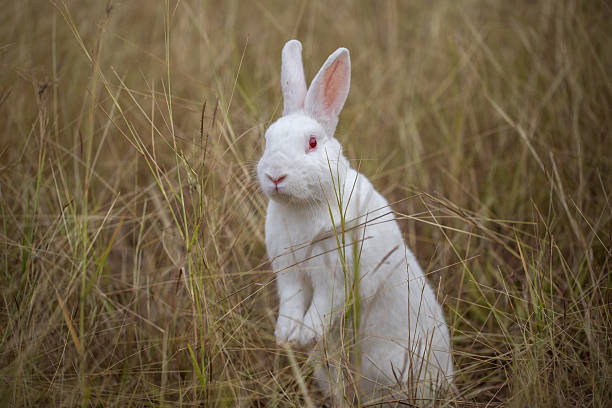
column 402, row 336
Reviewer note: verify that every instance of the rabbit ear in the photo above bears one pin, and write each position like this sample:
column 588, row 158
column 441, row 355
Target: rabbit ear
column 329, row 89
column 292, row 77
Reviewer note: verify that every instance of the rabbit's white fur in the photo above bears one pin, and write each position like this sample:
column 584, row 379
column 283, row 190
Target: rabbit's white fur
column 402, row 333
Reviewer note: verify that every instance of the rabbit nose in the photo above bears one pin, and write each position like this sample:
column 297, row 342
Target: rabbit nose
column 276, row 180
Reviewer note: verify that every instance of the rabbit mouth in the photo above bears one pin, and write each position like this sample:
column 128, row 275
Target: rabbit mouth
column 281, row 193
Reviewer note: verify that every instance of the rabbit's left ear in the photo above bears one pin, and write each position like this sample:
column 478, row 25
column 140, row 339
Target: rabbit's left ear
column 293, row 83
column 329, row 89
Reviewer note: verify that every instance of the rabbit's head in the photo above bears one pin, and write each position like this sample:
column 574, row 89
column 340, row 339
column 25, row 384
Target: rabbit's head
column 300, row 145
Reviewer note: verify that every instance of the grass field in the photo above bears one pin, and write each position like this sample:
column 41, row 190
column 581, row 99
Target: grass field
column 134, row 270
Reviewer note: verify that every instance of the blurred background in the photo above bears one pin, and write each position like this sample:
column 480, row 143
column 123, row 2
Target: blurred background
column 131, row 227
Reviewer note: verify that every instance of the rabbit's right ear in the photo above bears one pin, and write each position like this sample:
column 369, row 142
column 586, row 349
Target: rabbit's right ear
column 292, row 77
column 329, row 89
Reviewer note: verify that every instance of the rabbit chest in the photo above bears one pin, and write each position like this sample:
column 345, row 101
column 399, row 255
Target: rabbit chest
column 298, row 240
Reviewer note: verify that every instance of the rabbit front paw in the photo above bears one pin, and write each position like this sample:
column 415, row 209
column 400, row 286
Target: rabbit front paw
column 285, row 328
column 307, row 334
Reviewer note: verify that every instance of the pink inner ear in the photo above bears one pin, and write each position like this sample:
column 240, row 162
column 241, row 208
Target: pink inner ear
column 333, row 81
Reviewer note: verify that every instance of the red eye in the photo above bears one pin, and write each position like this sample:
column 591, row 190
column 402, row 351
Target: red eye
column 312, row 143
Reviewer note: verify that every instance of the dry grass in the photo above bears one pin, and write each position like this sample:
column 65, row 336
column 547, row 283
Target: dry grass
column 134, row 268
